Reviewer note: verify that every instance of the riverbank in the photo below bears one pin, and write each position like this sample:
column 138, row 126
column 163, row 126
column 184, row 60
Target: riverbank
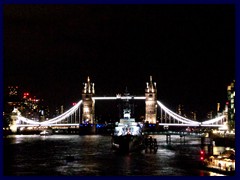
column 218, row 170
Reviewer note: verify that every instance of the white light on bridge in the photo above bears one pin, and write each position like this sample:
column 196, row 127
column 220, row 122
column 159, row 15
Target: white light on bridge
column 171, row 114
column 120, row 97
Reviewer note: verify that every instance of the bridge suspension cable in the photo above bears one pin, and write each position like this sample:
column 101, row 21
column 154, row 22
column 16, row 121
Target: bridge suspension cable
column 53, row 120
column 174, row 115
column 186, row 120
column 163, row 108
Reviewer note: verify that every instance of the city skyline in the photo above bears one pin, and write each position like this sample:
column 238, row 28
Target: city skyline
column 188, row 50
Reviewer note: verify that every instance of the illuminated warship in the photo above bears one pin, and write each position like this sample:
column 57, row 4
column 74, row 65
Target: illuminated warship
column 127, row 134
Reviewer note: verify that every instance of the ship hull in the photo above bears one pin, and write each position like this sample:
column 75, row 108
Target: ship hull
column 127, row 143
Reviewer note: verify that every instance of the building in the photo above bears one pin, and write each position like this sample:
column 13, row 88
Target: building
column 12, row 99
column 180, row 109
column 29, row 106
column 210, row 115
column 231, row 105
column 193, row 115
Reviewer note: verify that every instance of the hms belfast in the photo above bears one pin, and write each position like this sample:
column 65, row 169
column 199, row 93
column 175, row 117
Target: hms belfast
column 127, row 136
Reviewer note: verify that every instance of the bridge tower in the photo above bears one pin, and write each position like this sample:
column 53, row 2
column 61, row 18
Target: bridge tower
column 151, row 102
column 14, row 117
column 88, row 102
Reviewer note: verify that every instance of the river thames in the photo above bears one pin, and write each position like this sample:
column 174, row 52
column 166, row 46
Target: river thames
column 91, row 155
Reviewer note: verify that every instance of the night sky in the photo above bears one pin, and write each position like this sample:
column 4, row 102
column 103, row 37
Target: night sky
column 49, row 50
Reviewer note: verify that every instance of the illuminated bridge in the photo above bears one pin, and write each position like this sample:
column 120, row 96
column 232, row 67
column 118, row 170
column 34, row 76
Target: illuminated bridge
column 84, row 112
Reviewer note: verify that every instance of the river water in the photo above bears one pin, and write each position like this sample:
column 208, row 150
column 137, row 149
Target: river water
column 91, row 155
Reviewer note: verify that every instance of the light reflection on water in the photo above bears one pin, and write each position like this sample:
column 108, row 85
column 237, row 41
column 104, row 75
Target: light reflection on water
column 92, row 156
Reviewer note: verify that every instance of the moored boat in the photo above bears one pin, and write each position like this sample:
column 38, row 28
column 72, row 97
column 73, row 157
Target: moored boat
column 45, row 133
column 127, row 135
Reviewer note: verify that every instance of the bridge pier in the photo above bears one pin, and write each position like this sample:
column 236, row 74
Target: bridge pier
column 168, row 139
column 207, row 145
column 182, row 139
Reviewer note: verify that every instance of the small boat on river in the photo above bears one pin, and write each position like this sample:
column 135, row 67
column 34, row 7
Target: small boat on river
column 45, row 133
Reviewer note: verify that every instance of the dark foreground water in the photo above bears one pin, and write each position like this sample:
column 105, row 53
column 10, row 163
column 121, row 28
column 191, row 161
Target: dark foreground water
column 36, row 155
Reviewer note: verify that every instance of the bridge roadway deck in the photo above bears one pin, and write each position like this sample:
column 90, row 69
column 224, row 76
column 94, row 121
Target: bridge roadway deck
column 181, row 133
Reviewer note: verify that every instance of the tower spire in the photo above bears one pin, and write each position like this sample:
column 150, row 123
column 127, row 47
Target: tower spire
column 88, row 111
column 151, row 102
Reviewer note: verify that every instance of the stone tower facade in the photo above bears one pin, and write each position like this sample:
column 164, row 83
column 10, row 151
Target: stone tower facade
column 88, row 113
column 151, row 102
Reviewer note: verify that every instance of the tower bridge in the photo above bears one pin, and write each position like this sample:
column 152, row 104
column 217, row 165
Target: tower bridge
column 83, row 112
